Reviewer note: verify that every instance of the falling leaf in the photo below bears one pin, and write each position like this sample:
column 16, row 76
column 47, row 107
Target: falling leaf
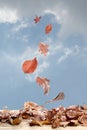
column 44, row 82
column 48, row 28
column 43, row 48
column 29, row 66
column 60, row 96
column 37, row 19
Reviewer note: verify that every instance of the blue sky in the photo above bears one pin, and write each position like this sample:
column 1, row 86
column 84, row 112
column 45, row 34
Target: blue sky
column 66, row 63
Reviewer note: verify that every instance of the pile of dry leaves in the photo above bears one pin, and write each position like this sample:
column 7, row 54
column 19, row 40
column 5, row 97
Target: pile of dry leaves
column 39, row 115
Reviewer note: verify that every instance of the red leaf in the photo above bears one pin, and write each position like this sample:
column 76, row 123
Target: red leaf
column 48, row 28
column 29, row 66
column 37, row 19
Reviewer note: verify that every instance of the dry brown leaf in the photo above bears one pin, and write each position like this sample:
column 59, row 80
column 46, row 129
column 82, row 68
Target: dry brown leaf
column 44, row 83
column 35, row 122
column 60, row 96
column 83, row 119
column 45, row 122
column 15, row 121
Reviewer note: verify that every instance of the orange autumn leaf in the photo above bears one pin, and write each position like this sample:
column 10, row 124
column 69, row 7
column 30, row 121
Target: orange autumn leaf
column 29, row 66
column 44, row 82
column 43, row 48
column 48, row 28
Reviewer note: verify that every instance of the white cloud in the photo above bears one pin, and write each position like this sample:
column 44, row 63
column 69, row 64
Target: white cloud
column 70, row 14
column 6, row 57
column 21, row 25
column 8, row 15
column 60, row 14
column 68, row 52
column 41, row 67
column 54, row 49
column 25, row 38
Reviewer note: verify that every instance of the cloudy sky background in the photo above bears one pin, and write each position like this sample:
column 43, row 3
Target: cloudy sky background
column 66, row 63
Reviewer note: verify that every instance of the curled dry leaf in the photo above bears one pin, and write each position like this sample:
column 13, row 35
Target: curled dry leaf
column 15, row 121
column 73, row 123
column 56, row 123
column 44, row 82
column 64, row 124
column 39, row 122
column 29, row 66
column 43, row 48
column 84, row 107
column 60, row 96
column 35, row 122
column 25, row 115
column 46, row 122
column 63, row 118
column 14, row 113
column 30, row 105
column 83, row 119
column 71, row 114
